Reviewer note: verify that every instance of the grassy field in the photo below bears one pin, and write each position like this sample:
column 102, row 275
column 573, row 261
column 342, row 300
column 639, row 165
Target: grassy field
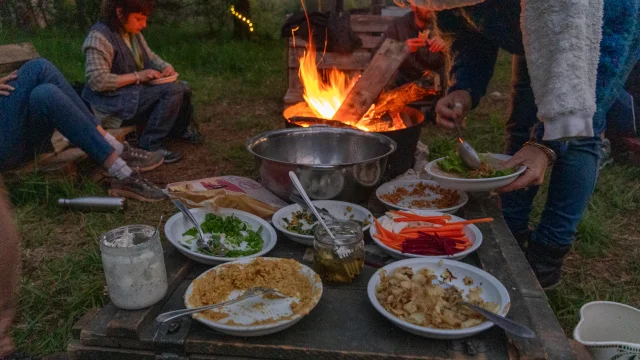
column 238, row 88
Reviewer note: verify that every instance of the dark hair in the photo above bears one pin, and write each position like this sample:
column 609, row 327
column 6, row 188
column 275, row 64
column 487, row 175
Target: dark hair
column 110, row 15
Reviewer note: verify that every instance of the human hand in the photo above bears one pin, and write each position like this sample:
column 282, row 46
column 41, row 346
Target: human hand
column 415, row 44
column 149, row 75
column 168, row 71
column 453, row 108
column 5, row 88
column 536, row 162
column 436, row 44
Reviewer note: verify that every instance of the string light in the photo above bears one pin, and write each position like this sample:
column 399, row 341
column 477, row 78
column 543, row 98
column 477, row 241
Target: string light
column 242, row 18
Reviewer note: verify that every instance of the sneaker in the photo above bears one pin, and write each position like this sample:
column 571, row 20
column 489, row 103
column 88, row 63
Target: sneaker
column 170, row 157
column 193, row 136
column 605, row 154
column 136, row 187
column 141, row 159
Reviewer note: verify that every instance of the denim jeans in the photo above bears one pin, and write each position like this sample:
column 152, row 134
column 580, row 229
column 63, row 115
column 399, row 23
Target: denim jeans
column 158, row 109
column 42, row 102
column 573, row 177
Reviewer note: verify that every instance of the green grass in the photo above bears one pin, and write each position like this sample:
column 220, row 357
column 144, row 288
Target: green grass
column 238, row 87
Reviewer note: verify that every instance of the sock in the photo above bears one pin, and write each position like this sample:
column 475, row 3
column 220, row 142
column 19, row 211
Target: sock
column 115, row 144
column 120, row 170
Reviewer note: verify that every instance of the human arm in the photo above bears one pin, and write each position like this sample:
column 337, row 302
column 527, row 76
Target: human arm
column 156, row 61
column 99, row 58
column 474, row 58
column 9, row 265
column 562, row 48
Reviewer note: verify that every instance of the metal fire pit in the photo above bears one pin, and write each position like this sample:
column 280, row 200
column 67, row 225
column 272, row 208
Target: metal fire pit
column 407, row 139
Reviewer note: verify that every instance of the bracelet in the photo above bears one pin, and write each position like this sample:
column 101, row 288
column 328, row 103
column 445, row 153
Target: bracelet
column 137, row 77
column 551, row 155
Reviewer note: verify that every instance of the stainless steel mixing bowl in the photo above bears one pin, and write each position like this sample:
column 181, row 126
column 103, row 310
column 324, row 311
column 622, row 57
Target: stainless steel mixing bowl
column 331, row 163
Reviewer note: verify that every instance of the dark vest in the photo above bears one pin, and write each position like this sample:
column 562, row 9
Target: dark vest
column 122, row 102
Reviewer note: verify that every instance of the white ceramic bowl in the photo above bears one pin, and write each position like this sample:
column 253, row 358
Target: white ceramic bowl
column 492, row 290
column 246, row 311
column 404, row 204
column 472, row 185
column 609, row 330
column 178, row 224
column 336, row 208
column 472, row 232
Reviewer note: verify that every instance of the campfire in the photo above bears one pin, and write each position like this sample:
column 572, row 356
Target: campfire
column 338, row 99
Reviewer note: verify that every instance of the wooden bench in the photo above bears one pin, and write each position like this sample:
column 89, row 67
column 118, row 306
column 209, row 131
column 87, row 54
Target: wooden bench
column 64, row 157
column 370, row 29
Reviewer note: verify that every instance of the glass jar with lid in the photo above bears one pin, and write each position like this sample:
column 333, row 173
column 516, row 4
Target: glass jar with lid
column 134, row 268
column 339, row 260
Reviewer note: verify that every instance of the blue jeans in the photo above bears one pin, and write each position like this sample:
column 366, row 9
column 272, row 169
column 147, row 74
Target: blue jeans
column 42, row 102
column 160, row 104
column 573, row 177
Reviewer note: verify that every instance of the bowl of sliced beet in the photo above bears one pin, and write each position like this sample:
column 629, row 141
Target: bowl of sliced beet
column 423, row 233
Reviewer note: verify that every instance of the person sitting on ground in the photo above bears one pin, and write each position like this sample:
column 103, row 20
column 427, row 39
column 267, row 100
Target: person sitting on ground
column 36, row 100
column 119, row 68
column 417, row 29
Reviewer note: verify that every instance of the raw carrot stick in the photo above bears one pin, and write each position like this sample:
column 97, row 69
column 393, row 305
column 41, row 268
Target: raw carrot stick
column 474, row 221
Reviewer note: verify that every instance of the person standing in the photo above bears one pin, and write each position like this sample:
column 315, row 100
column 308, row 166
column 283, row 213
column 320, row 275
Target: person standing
column 564, row 80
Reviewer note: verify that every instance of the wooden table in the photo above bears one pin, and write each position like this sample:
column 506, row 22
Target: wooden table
column 344, row 325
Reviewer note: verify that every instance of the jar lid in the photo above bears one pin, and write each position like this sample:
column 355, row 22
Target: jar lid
column 345, row 232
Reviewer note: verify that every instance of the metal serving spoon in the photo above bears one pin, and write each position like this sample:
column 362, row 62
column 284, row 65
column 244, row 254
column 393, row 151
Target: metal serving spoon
column 503, row 322
column 249, row 293
column 467, row 153
column 202, row 239
column 313, row 209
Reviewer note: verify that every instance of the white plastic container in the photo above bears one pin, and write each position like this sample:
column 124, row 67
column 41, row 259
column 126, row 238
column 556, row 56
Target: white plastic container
column 134, row 267
column 609, row 330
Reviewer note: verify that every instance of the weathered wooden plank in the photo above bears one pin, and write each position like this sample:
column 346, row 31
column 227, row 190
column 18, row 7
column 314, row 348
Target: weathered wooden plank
column 373, row 80
column 82, row 322
column 12, row 56
column 501, row 256
column 170, row 336
column 129, row 323
column 368, row 41
column 358, row 60
column 292, row 97
column 370, row 23
column 77, row 351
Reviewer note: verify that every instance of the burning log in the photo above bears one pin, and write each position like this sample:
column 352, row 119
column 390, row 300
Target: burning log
column 377, row 75
column 395, row 100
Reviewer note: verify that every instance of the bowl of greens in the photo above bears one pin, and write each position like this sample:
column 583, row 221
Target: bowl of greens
column 299, row 225
column 240, row 234
column 451, row 172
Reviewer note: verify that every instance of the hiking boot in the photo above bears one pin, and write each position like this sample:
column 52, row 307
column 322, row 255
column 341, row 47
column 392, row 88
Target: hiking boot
column 546, row 262
column 170, row 157
column 522, row 239
column 136, row 187
column 141, row 159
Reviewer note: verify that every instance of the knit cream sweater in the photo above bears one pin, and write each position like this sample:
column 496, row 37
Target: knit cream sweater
column 562, row 46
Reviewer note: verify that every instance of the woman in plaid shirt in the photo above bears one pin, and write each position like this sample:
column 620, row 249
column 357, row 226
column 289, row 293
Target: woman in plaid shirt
column 119, row 67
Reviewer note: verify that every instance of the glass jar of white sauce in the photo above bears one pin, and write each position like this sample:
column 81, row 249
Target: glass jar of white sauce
column 133, row 264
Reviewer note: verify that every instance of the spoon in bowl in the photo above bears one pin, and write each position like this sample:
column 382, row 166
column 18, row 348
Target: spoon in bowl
column 305, row 197
column 467, row 153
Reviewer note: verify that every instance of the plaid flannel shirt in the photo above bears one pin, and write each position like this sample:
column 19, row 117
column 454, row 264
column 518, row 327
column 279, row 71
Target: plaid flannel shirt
column 99, row 57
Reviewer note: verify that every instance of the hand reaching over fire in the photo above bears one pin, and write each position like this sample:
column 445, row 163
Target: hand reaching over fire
column 436, row 44
column 453, row 107
column 415, row 44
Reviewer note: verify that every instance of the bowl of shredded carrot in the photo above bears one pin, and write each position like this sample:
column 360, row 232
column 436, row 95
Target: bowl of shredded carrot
column 426, row 234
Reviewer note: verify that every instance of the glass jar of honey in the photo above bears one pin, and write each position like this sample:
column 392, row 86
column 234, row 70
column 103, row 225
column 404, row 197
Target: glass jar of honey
column 338, row 260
